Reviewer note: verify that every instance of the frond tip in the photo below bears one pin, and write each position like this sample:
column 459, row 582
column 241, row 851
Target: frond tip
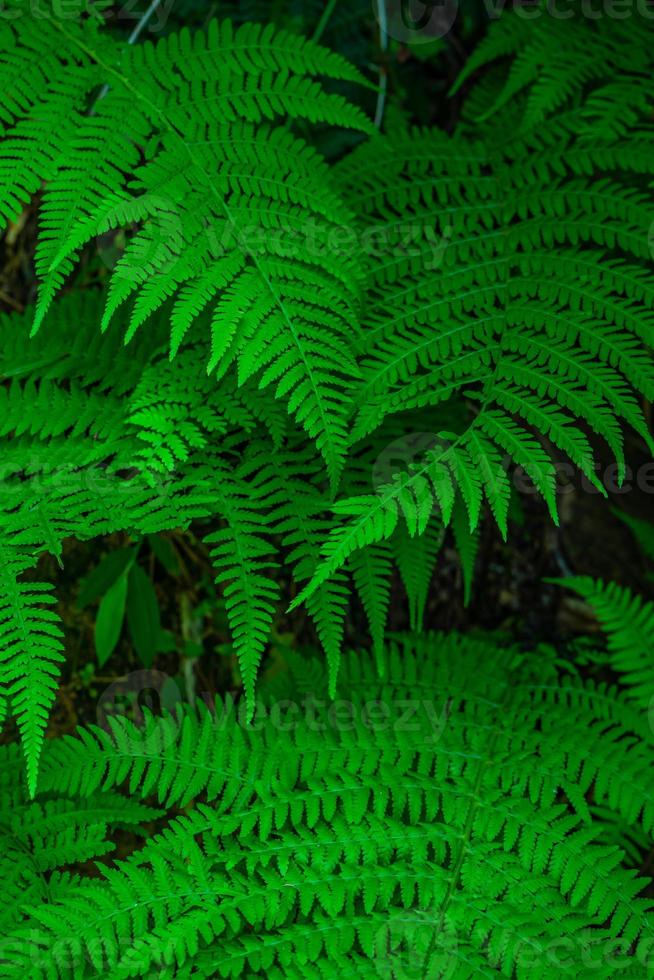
column 31, row 651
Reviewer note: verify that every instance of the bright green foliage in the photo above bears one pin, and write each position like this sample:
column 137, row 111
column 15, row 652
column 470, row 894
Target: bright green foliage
column 41, row 839
column 436, row 821
column 331, row 357
column 74, row 466
column 226, row 195
column 31, row 651
column 531, row 295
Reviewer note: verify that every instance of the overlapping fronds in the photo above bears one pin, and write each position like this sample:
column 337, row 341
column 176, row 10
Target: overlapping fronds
column 436, row 820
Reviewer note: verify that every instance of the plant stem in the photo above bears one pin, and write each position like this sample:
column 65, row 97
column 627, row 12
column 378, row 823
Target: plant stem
column 383, row 77
column 143, row 21
column 322, row 23
column 134, row 36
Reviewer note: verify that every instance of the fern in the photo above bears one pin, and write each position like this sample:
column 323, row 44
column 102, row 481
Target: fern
column 225, row 195
column 242, row 554
column 628, row 621
column 99, row 438
column 550, row 65
column 32, row 650
column 325, row 348
column 41, row 840
column 505, row 312
column 308, row 847
column 519, row 317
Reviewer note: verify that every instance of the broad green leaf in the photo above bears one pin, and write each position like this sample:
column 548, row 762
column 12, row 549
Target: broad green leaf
column 105, row 574
column 143, row 615
column 109, row 623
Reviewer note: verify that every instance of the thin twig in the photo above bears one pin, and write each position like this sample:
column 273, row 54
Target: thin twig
column 383, row 77
column 322, row 23
column 134, row 36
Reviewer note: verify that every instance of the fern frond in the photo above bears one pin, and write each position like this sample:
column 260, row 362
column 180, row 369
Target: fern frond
column 498, row 295
column 628, row 621
column 301, row 521
column 371, row 571
column 307, row 841
column 236, row 212
column 550, row 67
column 243, row 556
column 31, row 651
column 98, row 444
column 415, row 559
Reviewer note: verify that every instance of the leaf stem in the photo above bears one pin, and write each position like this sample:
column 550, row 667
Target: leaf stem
column 383, row 77
column 134, row 36
column 324, row 20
